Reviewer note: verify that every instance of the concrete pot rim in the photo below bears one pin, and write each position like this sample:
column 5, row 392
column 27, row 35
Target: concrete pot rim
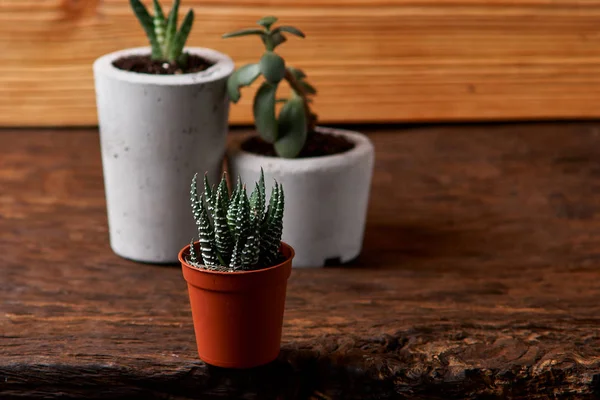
column 362, row 146
column 223, row 67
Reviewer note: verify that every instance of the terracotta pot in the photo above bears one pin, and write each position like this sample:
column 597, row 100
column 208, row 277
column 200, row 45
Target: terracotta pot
column 238, row 315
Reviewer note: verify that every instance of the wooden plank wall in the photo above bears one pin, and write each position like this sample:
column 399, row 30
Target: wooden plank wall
column 372, row 60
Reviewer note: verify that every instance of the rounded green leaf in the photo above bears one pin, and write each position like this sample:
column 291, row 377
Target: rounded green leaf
column 267, row 21
column 292, row 129
column 264, row 112
column 243, row 76
column 272, row 67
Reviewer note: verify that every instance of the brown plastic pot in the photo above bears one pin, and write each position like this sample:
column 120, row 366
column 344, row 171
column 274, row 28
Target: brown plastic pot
column 238, row 315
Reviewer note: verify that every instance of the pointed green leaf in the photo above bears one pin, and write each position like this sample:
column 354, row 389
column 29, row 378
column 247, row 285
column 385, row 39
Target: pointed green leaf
column 207, row 239
column 194, row 199
column 292, row 129
column 193, row 256
column 264, row 112
column 272, row 66
column 243, row 32
column 181, row 36
column 147, row 23
column 208, row 193
column 223, row 238
column 243, row 76
column 267, row 21
column 289, row 29
column 233, row 205
column 158, row 12
column 172, row 26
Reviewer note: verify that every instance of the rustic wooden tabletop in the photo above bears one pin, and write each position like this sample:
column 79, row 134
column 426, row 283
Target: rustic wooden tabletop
column 480, row 278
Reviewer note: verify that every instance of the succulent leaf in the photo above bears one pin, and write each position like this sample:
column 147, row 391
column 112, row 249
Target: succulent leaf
column 160, row 25
column 193, row 256
column 181, row 36
column 207, row 239
column 292, row 128
column 272, row 67
column 264, row 112
column 297, row 73
column 147, row 23
column 267, row 21
column 277, row 38
column 194, row 199
column 243, row 32
column 223, row 238
column 243, row 76
column 171, row 29
column 289, row 29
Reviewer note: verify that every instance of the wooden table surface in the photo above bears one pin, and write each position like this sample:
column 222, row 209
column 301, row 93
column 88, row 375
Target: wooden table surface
column 480, row 278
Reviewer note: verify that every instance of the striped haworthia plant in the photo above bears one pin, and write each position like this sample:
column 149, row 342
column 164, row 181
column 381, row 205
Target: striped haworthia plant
column 236, row 232
column 166, row 40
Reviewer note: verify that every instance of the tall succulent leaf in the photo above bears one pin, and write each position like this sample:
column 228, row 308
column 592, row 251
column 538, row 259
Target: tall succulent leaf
column 236, row 254
column 147, row 23
column 243, row 76
column 223, row 236
column 193, row 256
column 292, row 128
column 233, row 205
column 272, row 230
column 209, row 194
column 251, row 251
column 264, row 112
column 172, row 25
column 207, row 241
column 194, row 199
column 181, row 36
column 242, row 219
column 160, row 25
column 257, row 199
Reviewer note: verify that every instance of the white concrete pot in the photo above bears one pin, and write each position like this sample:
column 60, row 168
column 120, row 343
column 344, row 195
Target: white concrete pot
column 326, row 198
column 156, row 131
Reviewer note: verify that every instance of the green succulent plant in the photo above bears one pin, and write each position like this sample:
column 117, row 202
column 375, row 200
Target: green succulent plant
column 166, row 41
column 289, row 130
column 236, row 232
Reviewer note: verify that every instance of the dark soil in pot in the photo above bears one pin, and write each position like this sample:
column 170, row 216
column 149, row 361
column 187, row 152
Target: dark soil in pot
column 317, row 145
column 144, row 64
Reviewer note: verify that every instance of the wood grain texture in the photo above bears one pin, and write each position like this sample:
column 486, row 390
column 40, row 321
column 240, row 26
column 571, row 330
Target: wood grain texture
column 372, row 60
column 480, row 278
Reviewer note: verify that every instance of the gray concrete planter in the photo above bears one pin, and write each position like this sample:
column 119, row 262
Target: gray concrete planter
column 155, row 133
column 326, row 198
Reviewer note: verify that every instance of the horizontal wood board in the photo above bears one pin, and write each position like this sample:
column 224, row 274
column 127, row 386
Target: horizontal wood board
column 479, row 279
column 372, row 60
